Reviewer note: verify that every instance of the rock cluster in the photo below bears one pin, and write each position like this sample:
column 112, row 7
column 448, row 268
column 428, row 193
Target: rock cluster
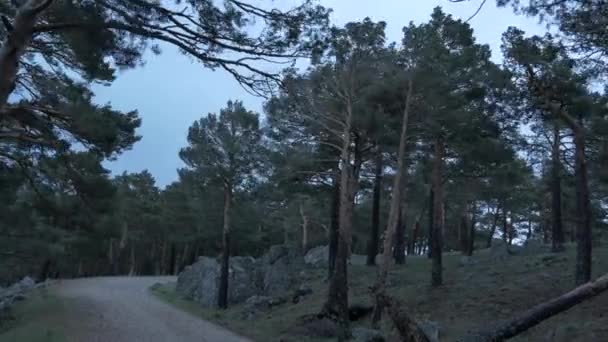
column 272, row 275
column 16, row 292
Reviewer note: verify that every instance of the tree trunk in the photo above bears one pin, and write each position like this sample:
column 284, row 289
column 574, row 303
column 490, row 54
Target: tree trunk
column 223, row 288
column 471, row 245
column 132, row 269
column 557, row 232
column 511, row 229
column 494, row 226
column 583, row 210
column 408, row 327
column 16, row 43
column 583, row 204
column 45, row 270
column 399, row 250
column 163, row 258
column 111, row 257
column 304, row 229
column 411, row 247
column 505, row 226
column 540, row 312
column 334, row 226
column 394, row 211
column 431, row 223
column 372, row 246
column 463, row 230
column 172, row 261
column 337, row 301
column 438, row 216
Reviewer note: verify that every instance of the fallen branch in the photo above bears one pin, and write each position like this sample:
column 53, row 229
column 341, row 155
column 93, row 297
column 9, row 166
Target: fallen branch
column 540, row 313
column 409, row 328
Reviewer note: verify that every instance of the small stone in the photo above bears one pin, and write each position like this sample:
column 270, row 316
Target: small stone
column 431, row 329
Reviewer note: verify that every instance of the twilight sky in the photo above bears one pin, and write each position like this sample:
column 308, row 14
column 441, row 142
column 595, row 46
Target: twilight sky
column 171, row 91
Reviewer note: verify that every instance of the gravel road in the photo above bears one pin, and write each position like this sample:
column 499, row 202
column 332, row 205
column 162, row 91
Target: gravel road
column 120, row 309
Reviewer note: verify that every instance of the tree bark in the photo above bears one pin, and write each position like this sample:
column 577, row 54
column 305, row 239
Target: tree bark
column 16, row 43
column 372, row 246
column 304, row 229
column 172, row 260
column 505, row 226
column 394, row 211
column 399, row 250
column 431, row 224
column 408, row 327
column 438, row 215
column 411, row 247
column 132, row 269
column 540, row 312
column 471, row 245
column 225, row 262
column 334, row 226
column 583, row 210
column 557, row 232
column 337, row 301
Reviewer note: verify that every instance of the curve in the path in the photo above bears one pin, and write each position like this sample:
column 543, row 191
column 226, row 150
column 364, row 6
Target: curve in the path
column 121, row 309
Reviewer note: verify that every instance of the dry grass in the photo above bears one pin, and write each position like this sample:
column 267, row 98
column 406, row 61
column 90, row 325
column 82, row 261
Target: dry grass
column 37, row 319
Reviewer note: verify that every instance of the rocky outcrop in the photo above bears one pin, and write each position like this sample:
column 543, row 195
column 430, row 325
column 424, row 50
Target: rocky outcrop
column 280, row 267
column 200, row 281
column 17, row 292
column 272, row 275
column 317, row 257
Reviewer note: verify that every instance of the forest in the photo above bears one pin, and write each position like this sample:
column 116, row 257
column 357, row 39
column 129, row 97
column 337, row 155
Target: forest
column 417, row 147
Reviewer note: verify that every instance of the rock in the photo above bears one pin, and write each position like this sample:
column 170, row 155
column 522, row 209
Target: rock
column 467, row 261
column 24, row 284
column 243, row 280
column 300, row 293
column 19, row 297
column 367, row 335
column 431, row 329
column 280, row 268
column 200, row 281
column 260, row 303
column 317, row 257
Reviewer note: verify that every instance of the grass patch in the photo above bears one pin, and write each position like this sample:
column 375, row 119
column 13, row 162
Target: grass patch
column 35, row 319
column 473, row 296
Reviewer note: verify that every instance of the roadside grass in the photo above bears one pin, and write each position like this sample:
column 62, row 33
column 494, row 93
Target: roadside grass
column 474, row 295
column 35, row 319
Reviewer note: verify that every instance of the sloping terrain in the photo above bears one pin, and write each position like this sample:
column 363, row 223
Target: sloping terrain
column 478, row 292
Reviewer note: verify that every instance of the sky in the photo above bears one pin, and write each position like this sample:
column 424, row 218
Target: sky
column 171, row 90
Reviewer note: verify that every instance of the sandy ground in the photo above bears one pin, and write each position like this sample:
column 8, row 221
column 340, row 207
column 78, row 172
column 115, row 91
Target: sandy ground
column 120, row 309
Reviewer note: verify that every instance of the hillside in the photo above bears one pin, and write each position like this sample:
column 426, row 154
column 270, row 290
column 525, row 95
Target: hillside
column 480, row 291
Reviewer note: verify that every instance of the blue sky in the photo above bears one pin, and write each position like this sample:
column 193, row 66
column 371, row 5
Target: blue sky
column 171, row 90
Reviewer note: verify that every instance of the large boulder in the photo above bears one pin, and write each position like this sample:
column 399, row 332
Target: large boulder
column 280, row 270
column 200, row 281
column 317, row 257
column 273, row 274
column 16, row 292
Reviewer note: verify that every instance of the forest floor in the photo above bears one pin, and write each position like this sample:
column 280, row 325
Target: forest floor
column 476, row 293
column 117, row 309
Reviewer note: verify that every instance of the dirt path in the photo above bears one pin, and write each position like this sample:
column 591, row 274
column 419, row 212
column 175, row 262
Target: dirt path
column 120, row 309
